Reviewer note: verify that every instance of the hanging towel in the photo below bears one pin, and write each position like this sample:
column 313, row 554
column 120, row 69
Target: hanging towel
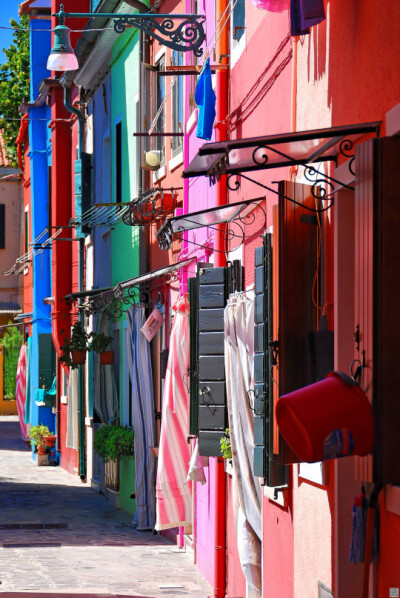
column 205, row 99
column 20, row 391
column 174, row 496
column 143, row 419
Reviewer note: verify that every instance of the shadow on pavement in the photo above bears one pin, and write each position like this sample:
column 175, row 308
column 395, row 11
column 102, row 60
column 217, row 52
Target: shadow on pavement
column 10, row 436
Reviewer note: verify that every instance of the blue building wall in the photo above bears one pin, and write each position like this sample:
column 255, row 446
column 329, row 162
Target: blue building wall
column 40, row 157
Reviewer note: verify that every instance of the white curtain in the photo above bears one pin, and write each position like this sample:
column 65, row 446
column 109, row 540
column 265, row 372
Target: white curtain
column 246, row 488
column 72, row 410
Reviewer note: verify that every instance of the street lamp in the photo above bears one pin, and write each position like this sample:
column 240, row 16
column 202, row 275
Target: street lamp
column 181, row 32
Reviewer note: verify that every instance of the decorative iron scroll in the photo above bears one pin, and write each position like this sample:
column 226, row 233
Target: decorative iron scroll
column 114, row 302
column 188, row 36
column 150, row 206
column 232, row 231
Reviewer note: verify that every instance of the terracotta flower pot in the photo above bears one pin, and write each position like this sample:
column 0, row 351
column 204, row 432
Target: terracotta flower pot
column 107, row 357
column 41, row 450
column 50, row 440
column 78, row 357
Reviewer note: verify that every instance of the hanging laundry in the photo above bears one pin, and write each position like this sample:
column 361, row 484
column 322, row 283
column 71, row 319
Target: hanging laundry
column 205, row 99
column 272, row 5
column 312, row 12
column 305, row 14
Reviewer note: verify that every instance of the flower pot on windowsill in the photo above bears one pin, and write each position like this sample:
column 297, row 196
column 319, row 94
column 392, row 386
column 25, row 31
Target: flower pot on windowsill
column 107, row 357
column 78, row 357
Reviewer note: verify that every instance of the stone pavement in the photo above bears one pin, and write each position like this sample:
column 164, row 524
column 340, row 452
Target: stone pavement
column 58, row 535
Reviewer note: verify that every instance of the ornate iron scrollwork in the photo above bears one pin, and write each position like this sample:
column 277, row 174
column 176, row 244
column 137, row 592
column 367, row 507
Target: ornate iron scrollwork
column 188, row 36
column 152, row 205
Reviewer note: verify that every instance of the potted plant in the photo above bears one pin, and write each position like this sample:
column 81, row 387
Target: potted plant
column 113, row 442
column 101, row 343
column 74, row 351
column 50, row 440
column 226, row 447
column 37, row 435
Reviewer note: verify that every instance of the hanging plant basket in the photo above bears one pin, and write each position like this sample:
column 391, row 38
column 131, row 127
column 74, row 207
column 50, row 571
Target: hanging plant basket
column 78, row 357
column 107, row 357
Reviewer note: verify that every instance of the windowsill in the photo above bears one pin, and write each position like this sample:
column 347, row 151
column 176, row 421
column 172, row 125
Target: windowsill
column 159, row 174
column 277, row 495
column 237, row 48
column 192, row 121
column 176, row 161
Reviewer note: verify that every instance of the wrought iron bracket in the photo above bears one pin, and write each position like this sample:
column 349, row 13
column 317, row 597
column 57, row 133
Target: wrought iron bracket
column 181, row 32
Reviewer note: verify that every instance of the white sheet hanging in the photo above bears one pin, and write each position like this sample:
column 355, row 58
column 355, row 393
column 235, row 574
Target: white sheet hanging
column 246, row 488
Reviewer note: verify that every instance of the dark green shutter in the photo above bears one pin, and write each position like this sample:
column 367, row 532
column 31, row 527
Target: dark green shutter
column 212, row 415
column 264, row 461
column 193, row 420
column 208, row 294
column 47, row 360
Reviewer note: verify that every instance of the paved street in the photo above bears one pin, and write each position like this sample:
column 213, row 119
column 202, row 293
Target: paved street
column 57, row 535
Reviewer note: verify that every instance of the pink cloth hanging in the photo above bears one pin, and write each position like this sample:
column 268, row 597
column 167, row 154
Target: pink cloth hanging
column 20, row 391
column 174, row 495
column 272, row 5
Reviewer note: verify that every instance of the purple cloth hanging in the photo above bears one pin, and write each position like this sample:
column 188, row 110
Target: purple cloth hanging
column 312, row 12
column 305, row 14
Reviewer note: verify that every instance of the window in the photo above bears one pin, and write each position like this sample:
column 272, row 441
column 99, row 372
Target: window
column 159, row 98
column 177, row 105
column 118, row 162
column 106, row 191
column 238, row 18
column 2, row 226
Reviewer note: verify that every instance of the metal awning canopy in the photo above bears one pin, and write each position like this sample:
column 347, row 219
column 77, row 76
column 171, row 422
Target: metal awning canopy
column 209, row 217
column 275, row 151
column 115, row 300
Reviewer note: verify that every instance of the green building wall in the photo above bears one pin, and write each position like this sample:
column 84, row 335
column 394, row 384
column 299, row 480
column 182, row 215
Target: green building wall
column 125, row 83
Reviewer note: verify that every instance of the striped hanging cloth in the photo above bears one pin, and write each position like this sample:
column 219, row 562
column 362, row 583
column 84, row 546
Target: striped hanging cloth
column 143, row 419
column 20, row 392
column 174, row 495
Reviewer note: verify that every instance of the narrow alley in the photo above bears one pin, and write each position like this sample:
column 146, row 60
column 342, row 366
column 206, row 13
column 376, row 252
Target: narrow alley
column 58, row 535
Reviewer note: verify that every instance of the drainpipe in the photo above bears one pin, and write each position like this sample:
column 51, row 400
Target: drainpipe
column 222, row 51
column 81, row 404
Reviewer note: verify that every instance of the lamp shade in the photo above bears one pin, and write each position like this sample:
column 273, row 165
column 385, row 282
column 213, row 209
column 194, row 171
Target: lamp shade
column 62, row 56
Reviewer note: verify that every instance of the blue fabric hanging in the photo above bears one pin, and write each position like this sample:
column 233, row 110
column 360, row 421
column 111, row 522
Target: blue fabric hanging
column 205, row 99
column 305, row 14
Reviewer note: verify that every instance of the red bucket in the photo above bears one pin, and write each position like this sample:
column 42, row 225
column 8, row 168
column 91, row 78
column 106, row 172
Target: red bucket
column 329, row 419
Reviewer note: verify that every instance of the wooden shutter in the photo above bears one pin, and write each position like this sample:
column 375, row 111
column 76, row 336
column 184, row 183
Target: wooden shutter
column 265, row 462
column 208, row 297
column 377, row 246
column 297, row 312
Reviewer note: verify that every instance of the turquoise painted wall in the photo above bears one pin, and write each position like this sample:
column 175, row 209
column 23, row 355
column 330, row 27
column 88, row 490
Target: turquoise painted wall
column 125, row 82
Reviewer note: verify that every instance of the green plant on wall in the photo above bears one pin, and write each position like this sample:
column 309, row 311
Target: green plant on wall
column 113, row 442
column 12, row 341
